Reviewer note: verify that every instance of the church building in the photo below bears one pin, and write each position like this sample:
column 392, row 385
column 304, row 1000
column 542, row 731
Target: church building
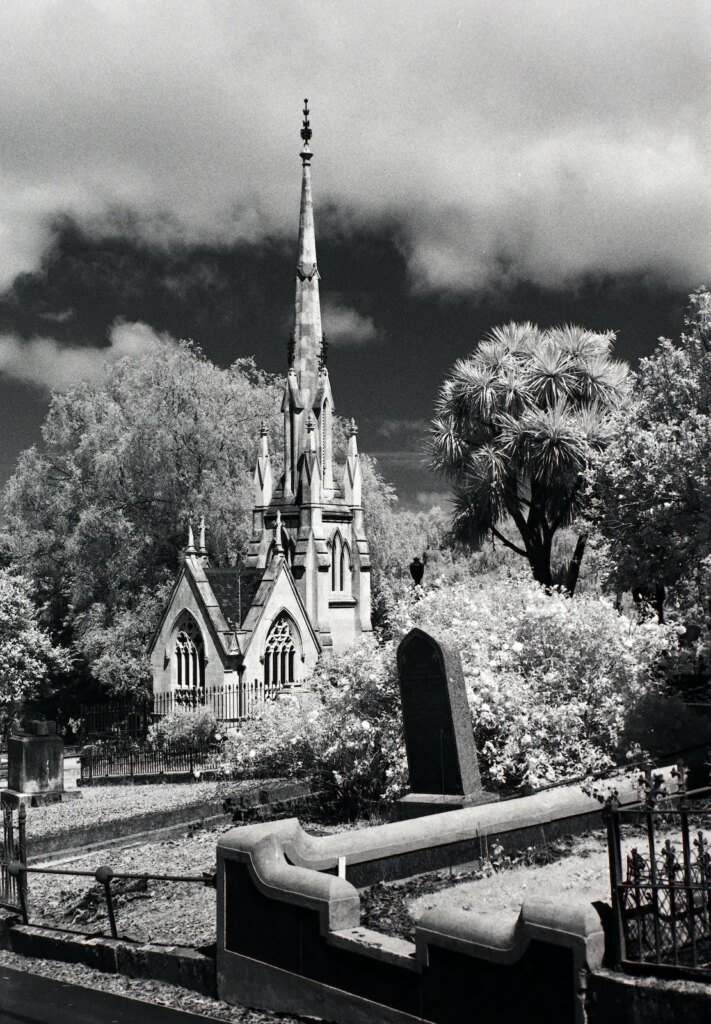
column 232, row 636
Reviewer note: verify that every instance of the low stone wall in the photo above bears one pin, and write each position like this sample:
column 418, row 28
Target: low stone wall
column 404, row 848
column 44, row 847
column 176, row 965
column 290, row 940
column 289, row 936
column 615, row 998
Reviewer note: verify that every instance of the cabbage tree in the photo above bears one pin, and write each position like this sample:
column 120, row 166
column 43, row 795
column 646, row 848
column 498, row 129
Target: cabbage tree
column 517, row 425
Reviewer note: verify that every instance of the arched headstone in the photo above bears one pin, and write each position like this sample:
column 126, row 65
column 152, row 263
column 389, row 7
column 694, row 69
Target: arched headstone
column 441, row 754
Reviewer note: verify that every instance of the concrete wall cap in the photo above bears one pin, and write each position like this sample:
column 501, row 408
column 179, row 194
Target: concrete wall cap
column 390, row 840
column 504, row 938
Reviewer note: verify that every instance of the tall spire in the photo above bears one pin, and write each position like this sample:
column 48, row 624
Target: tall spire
column 307, row 313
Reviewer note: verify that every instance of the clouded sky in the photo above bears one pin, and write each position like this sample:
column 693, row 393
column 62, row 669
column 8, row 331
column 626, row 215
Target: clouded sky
column 475, row 162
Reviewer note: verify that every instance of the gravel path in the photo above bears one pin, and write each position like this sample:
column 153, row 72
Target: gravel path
column 151, row 991
column 101, row 804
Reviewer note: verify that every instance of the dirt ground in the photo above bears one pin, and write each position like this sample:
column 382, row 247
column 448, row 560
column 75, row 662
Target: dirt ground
column 171, row 912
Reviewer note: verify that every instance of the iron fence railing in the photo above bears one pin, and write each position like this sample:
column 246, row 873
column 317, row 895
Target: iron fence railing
column 231, row 702
column 128, row 760
column 661, row 887
column 104, row 875
column 13, row 851
column 116, row 718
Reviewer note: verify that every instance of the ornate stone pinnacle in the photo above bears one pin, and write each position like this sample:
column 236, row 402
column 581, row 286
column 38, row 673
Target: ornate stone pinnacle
column 310, row 423
column 263, row 429
column 323, row 354
column 190, row 547
column 352, row 428
column 278, row 548
column 306, row 132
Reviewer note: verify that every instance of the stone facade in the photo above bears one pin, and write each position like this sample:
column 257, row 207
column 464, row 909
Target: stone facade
column 305, row 586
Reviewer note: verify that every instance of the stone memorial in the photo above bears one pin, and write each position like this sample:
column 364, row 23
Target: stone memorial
column 35, row 765
column 441, row 754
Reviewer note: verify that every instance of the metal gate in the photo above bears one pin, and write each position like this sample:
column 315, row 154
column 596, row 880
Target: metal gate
column 12, row 852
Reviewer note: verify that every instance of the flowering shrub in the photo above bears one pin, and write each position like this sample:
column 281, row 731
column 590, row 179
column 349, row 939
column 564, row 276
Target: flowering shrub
column 557, row 688
column 184, row 727
column 345, row 733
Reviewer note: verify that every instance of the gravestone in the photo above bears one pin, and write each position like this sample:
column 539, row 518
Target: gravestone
column 441, row 754
column 35, row 765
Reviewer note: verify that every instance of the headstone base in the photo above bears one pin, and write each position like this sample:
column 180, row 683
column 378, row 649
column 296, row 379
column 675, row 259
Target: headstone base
column 417, row 805
column 15, row 798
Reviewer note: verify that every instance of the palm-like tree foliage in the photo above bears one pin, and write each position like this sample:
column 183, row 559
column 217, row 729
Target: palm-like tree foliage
column 517, row 423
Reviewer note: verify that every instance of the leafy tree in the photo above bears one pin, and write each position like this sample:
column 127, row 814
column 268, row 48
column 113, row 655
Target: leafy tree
column 517, row 425
column 27, row 652
column 653, row 486
column 97, row 515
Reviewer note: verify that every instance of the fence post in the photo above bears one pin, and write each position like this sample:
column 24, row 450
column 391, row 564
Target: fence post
column 103, row 877
column 611, row 814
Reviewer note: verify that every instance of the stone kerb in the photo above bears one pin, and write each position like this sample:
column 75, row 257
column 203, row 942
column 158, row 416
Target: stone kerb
column 398, row 849
column 289, row 939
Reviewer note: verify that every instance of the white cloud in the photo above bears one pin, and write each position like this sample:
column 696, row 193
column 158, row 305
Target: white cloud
column 518, row 140
column 49, row 365
column 343, row 325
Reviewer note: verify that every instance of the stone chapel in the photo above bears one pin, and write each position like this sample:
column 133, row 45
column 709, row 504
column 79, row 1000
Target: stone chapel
column 304, row 589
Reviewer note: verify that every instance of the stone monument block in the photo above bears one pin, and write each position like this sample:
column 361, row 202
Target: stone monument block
column 35, row 765
column 441, row 753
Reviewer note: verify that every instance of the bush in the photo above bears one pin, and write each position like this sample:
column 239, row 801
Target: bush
column 557, row 687
column 345, row 734
column 184, row 728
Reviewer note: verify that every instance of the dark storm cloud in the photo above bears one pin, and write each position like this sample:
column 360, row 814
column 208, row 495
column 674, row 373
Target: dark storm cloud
column 517, row 141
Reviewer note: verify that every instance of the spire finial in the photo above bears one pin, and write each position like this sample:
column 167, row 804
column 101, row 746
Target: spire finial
column 263, row 431
column 306, row 132
column 202, row 550
column 352, row 428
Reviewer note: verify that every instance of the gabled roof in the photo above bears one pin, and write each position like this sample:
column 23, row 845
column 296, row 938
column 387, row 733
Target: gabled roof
column 234, row 591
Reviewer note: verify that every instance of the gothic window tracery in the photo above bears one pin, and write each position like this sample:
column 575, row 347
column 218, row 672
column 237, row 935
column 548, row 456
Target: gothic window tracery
column 340, row 564
column 189, row 654
column 279, row 654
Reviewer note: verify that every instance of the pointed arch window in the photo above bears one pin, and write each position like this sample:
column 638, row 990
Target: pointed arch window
column 279, row 655
column 189, row 655
column 340, row 564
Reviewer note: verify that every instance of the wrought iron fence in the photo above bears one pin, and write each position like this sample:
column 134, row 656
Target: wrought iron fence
column 116, row 718
column 14, row 851
column 128, row 760
column 661, row 897
column 232, row 702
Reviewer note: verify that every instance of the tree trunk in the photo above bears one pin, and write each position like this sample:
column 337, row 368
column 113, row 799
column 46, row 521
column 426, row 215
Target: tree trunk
column 571, row 579
column 539, row 556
